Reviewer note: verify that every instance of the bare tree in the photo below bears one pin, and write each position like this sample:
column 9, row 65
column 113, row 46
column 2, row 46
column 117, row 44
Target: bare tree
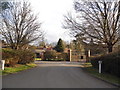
column 19, row 25
column 97, row 20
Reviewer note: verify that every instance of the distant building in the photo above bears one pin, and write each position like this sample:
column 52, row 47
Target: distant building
column 77, row 51
column 39, row 51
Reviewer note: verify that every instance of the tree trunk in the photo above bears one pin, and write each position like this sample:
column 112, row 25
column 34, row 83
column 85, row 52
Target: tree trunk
column 110, row 48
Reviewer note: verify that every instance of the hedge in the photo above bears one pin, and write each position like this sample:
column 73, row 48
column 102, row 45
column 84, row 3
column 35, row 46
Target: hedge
column 63, row 56
column 13, row 57
column 25, row 56
column 55, row 56
column 110, row 63
column 49, row 55
column 10, row 56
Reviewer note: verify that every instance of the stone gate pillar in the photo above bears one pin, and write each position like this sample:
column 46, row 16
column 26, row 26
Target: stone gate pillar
column 89, row 53
column 69, row 54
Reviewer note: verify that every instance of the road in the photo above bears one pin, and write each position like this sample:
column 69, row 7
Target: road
column 54, row 75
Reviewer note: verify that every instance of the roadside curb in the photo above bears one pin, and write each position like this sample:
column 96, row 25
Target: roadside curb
column 101, row 78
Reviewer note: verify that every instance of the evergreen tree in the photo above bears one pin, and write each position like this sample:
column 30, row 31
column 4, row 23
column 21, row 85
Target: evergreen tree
column 60, row 46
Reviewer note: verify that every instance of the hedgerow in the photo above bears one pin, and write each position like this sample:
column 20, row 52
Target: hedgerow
column 110, row 63
column 13, row 57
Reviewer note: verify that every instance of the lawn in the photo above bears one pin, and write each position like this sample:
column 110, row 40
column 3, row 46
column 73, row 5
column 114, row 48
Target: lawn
column 9, row 70
column 104, row 76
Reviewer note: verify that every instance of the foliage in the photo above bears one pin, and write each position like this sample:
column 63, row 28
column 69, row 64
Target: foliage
column 50, row 55
column 10, row 56
column 62, row 56
column 13, row 57
column 110, row 63
column 55, row 56
column 25, row 56
column 60, row 46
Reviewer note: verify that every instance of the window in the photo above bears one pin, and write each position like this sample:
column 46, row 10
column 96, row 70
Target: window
column 81, row 57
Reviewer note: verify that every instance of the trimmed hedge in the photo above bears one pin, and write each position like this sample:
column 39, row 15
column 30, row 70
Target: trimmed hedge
column 63, row 56
column 25, row 56
column 10, row 56
column 110, row 63
column 50, row 55
column 55, row 56
column 13, row 57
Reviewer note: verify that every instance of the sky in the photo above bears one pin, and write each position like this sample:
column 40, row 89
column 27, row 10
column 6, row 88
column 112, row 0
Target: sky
column 50, row 13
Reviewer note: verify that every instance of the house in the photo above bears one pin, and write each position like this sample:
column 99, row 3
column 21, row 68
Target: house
column 39, row 51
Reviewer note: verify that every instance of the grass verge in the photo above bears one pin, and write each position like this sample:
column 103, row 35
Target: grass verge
column 104, row 76
column 9, row 70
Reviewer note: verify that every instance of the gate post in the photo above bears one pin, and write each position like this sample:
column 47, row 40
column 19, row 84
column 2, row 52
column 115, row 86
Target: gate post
column 89, row 53
column 69, row 52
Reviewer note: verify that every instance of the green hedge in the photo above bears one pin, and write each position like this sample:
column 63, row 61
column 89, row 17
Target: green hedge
column 13, row 57
column 55, row 56
column 110, row 63
column 10, row 56
column 50, row 55
column 25, row 56
column 63, row 56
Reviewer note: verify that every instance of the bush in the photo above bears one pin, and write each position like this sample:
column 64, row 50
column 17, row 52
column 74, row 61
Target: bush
column 110, row 63
column 50, row 55
column 25, row 56
column 10, row 56
column 13, row 57
column 53, row 55
column 62, row 56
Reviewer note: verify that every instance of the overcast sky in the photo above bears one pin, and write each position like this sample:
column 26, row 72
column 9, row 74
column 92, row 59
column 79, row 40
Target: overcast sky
column 51, row 14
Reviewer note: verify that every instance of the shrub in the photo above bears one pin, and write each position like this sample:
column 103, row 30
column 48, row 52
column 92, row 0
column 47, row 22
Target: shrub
column 62, row 56
column 25, row 56
column 53, row 55
column 110, row 63
column 13, row 57
column 10, row 56
column 50, row 55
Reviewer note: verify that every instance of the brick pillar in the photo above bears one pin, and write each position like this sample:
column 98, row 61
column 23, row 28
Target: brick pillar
column 42, row 56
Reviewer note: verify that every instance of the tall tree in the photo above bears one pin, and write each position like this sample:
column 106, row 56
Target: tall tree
column 19, row 25
column 60, row 46
column 97, row 20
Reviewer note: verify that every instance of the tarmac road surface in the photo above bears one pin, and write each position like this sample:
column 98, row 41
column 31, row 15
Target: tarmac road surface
column 54, row 75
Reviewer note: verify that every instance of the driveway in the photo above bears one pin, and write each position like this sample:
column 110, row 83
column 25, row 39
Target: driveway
column 54, row 75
